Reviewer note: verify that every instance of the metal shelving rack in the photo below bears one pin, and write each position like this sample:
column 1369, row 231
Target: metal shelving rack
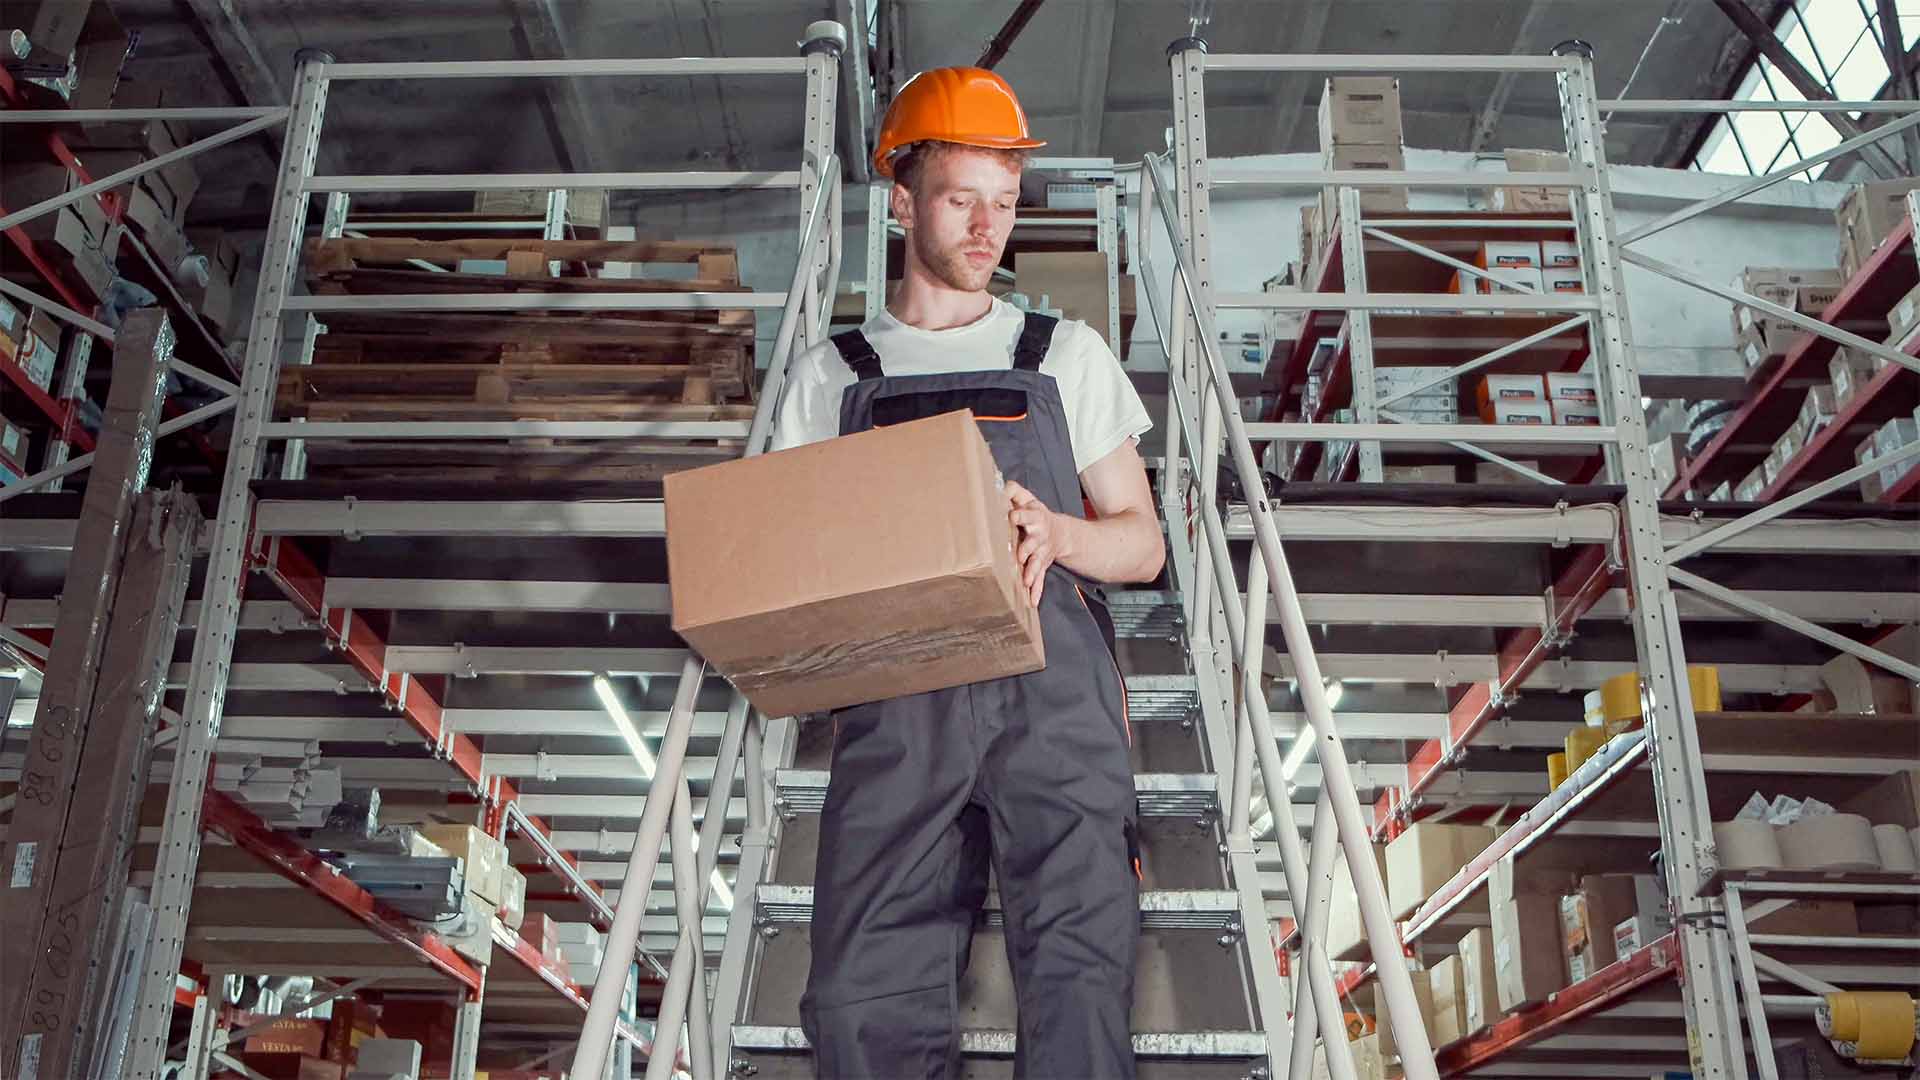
column 1618, row 546
column 310, row 632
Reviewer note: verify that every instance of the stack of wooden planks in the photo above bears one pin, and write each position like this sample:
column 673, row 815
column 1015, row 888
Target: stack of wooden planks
column 427, row 366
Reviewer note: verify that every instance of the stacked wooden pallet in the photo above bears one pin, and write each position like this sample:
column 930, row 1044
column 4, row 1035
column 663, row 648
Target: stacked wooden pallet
column 427, row 366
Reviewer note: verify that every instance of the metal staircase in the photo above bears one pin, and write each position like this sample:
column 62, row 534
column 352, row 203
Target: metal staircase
column 1195, row 1011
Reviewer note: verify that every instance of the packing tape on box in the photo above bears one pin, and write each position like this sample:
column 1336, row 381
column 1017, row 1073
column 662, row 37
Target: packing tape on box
column 1869, row 1026
column 1829, row 842
column 1747, row 845
column 1896, row 849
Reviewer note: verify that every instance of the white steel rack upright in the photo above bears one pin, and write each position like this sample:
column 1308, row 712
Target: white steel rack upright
column 804, row 309
column 1679, row 781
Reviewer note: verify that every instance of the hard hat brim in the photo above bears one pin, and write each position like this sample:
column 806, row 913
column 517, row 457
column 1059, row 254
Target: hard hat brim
column 883, row 158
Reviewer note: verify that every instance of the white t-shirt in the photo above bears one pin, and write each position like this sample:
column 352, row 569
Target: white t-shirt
column 1102, row 407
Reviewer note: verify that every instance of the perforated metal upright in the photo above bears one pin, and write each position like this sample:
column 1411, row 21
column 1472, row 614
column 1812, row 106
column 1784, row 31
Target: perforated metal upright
column 1686, row 828
column 179, row 850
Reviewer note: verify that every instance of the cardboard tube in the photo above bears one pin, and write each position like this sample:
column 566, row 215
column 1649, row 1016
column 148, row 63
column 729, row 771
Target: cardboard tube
column 1878, row 1025
column 1896, row 849
column 1829, row 842
column 1747, row 845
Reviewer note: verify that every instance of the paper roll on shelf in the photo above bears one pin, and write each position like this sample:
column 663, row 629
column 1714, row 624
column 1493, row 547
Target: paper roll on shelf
column 1829, row 842
column 1896, row 849
column 1869, row 1026
column 1747, row 845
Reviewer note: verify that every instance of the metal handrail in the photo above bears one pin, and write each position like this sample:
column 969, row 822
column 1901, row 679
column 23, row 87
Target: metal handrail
column 1395, row 982
column 597, row 1034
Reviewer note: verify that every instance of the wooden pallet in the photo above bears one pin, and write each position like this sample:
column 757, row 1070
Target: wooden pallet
column 720, row 341
column 499, row 462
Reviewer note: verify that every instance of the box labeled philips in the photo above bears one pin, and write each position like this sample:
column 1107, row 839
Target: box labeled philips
column 852, row 570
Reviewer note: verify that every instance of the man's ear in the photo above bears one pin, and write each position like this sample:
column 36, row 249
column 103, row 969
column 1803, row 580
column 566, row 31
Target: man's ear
column 901, row 200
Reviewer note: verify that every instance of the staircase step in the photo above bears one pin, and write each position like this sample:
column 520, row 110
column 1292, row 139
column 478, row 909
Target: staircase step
column 804, row 791
column 1145, row 613
column 1161, row 697
column 1160, row 909
column 1161, row 1044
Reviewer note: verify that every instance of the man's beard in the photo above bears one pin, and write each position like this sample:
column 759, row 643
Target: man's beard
column 952, row 267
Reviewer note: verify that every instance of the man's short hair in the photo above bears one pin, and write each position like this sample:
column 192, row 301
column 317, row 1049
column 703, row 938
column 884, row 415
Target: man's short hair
column 907, row 166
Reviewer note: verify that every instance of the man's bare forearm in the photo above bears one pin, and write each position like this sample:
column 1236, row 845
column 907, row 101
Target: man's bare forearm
column 1122, row 547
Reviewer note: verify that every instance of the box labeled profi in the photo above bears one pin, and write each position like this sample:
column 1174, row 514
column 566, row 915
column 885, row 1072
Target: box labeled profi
column 1559, row 254
column 1492, row 253
column 857, row 569
column 1576, row 413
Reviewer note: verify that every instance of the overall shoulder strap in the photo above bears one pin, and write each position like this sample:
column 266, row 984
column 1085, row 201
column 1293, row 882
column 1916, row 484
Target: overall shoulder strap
column 858, row 352
column 1035, row 337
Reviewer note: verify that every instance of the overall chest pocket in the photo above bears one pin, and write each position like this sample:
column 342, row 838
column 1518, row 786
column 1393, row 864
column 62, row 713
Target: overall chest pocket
column 991, row 403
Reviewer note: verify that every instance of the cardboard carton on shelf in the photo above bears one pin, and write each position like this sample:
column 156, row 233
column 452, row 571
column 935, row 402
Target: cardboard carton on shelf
column 485, row 857
column 288, row 1035
column 1422, row 996
column 1518, row 412
column 1559, row 254
column 1866, row 216
column 1449, row 1023
column 1425, row 857
column 1520, row 197
column 39, row 351
column 1904, row 316
column 1751, row 485
column 1572, row 386
column 1589, row 915
column 1363, row 157
column 1346, row 937
column 1848, row 371
column 1360, row 109
column 1527, row 958
column 783, row 583
column 1488, row 472
column 292, row 1066
column 1507, row 253
column 1493, row 388
column 1763, row 347
column 1479, row 982
column 1563, row 280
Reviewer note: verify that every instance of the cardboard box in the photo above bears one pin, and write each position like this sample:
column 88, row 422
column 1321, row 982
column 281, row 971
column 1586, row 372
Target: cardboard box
column 1507, row 253
column 1073, row 281
column 288, row 1035
column 585, row 208
column 1449, row 1024
column 1572, row 386
column 13, row 440
column 1563, row 280
column 293, row 1066
column 39, row 351
column 1360, row 109
column 539, row 930
column 1588, row 916
column 1346, row 937
column 1518, row 412
column 1848, row 371
column 1559, row 254
column 1867, row 215
column 513, row 897
column 1532, row 198
column 1479, row 982
column 1817, row 410
column 1904, row 316
column 1762, row 349
column 785, row 585
column 1639, row 930
column 389, row 1056
column 1576, row 414
column 1527, row 958
column 1814, row 299
column 1813, row 918
column 1363, row 157
column 486, row 858
column 1425, row 857
column 1383, row 1025
column 1493, row 388
column 1751, row 485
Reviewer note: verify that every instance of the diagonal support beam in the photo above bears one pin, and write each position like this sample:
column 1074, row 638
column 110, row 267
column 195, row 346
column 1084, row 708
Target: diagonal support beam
column 219, row 21
column 571, row 125
column 1794, row 622
column 1813, row 89
column 1291, row 98
column 1489, row 118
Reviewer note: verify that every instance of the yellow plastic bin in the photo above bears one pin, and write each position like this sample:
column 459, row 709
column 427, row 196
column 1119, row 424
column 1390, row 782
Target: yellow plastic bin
column 1556, row 771
column 1581, row 744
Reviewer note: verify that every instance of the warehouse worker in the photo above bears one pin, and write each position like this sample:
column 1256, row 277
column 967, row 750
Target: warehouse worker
column 1031, row 771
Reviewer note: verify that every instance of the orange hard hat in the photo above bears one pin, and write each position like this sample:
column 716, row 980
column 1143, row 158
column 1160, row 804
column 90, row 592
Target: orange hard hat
column 967, row 105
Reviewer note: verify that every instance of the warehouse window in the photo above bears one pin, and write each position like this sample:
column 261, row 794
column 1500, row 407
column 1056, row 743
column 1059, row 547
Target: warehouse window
column 1838, row 42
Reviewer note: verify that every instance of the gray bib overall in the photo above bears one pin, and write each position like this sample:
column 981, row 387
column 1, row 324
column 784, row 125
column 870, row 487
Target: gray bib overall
column 1029, row 772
